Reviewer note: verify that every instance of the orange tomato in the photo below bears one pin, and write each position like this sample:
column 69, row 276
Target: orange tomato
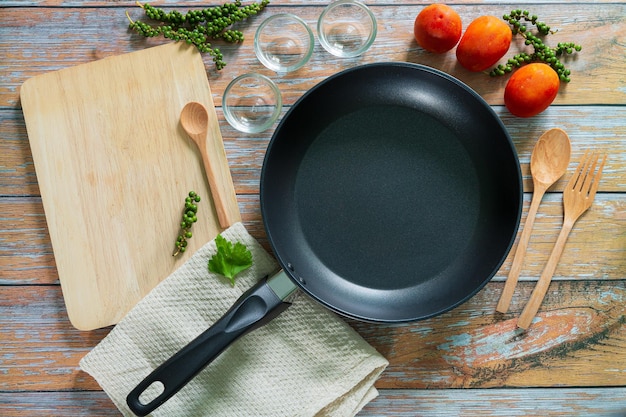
column 437, row 28
column 531, row 89
column 484, row 42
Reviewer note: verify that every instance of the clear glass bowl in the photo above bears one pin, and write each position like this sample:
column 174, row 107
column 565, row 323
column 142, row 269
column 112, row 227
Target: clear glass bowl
column 252, row 103
column 284, row 42
column 346, row 28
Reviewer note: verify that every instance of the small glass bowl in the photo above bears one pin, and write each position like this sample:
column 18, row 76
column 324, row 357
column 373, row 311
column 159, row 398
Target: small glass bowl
column 346, row 28
column 284, row 42
column 252, row 103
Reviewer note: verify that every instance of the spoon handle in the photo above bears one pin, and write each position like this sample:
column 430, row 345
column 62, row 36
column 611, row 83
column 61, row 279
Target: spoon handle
column 218, row 188
column 520, row 252
column 541, row 288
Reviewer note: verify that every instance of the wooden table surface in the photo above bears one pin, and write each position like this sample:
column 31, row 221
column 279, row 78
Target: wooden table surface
column 469, row 361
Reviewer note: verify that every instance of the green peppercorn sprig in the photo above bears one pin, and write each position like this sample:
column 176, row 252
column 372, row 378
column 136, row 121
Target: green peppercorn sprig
column 542, row 53
column 517, row 15
column 190, row 216
column 197, row 27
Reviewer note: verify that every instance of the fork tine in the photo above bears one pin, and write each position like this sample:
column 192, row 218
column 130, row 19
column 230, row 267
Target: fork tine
column 571, row 184
column 588, row 173
column 596, row 178
column 584, row 171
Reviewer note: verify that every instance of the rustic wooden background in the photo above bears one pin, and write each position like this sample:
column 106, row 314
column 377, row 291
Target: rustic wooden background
column 469, row 361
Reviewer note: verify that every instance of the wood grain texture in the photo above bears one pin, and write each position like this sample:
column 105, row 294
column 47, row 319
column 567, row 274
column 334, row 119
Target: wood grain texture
column 472, row 346
column 578, row 339
column 108, row 157
column 598, row 127
column 596, row 71
column 598, row 237
column 555, row 402
column 203, row 3
column 499, row 402
column 467, row 362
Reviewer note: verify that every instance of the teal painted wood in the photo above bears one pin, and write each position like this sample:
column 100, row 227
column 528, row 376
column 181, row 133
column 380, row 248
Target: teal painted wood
column 604, row 402
column 557, row 402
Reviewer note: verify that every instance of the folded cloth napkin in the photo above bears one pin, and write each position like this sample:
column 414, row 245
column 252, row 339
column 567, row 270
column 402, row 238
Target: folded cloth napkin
column 305, row 362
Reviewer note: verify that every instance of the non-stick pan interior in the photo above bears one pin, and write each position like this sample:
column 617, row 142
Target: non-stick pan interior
column 391, row 192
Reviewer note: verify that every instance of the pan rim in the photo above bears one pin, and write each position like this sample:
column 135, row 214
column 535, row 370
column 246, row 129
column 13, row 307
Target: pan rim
column 515, row 167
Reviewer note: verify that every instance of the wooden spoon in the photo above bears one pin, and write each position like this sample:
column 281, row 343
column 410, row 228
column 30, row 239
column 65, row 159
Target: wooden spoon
column 194, row 119
column 548, row 163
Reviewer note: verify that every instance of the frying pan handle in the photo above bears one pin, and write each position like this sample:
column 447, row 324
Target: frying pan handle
column 253, row 309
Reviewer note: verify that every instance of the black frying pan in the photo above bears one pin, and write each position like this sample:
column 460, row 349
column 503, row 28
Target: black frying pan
column 390, row 193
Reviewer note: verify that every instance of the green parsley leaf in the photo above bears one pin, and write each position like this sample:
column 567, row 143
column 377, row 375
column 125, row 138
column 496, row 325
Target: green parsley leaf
column 230, row 259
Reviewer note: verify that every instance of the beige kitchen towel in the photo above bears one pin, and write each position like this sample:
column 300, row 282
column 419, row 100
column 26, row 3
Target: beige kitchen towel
column 305, row 362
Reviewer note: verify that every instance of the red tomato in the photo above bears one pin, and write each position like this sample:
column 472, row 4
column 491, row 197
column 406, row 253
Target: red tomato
column 484, row 42
column 531, row 89
column 437, row 28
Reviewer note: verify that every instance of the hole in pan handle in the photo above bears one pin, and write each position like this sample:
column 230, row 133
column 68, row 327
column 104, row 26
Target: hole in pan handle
column 255, row 308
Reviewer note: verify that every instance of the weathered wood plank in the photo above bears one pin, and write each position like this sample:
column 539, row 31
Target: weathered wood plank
column 58, row 404
column 32, row 45
column 595, row 250
column 602, row 128
column 590, row 127
column 578, row 339
column 554, row 402
column 26, row 255
column 274, row 3
column 40, row 349
column 606, row 402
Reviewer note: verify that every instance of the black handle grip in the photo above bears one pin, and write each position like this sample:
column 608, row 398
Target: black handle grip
column 253, row 309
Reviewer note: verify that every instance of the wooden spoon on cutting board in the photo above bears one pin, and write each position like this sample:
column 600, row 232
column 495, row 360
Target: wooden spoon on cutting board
column 194, row 119
column 548, row 163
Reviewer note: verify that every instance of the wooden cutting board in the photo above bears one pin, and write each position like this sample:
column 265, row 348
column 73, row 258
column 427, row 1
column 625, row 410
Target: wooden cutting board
column 114, row 167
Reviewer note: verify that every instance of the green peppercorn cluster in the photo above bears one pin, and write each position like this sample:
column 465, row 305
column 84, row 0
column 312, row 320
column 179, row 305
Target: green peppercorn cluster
column 190, row 216
column 542, row 53
column 198, row 27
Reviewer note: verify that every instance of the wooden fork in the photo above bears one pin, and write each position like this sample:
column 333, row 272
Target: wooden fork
column 577, row 198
